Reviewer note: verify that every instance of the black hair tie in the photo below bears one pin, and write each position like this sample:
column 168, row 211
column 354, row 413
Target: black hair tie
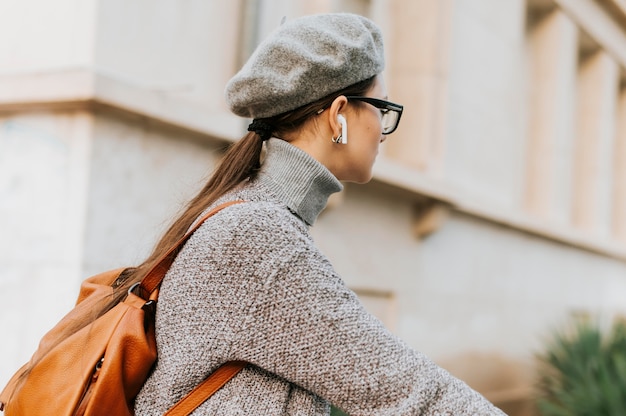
column 263, row 129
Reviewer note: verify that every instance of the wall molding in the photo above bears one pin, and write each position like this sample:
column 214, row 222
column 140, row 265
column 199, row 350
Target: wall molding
column 77, row 88
column 419, row 185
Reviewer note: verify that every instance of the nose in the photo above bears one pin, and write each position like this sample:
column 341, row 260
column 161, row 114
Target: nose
column 383, row 138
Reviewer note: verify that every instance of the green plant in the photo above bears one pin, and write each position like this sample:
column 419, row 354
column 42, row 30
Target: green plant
column 583, row 372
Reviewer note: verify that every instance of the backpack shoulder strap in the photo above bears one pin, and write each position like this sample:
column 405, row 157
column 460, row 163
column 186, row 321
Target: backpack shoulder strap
column 153, row 278
column 204, row 390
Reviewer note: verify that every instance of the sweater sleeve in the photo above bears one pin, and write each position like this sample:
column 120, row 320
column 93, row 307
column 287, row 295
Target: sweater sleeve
column 307, row 327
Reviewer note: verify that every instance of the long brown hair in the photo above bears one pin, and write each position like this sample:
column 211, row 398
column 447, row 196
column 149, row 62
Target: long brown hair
column 240, row 162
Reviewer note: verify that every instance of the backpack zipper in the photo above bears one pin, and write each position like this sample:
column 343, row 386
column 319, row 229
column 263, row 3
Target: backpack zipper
column 84, row 400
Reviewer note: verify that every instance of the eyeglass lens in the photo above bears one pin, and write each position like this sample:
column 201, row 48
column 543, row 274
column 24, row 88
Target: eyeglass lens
column 389, row 120
column 390, row 112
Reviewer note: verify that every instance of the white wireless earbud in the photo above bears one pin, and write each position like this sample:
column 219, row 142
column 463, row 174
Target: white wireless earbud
column 344, row 129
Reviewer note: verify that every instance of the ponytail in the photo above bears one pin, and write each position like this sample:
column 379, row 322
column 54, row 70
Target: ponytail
column 240, row 162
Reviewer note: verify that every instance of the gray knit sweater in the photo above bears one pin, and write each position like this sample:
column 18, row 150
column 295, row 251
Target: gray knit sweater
column 251, row 285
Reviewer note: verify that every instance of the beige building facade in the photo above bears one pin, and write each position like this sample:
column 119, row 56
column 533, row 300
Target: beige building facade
column 497, row 211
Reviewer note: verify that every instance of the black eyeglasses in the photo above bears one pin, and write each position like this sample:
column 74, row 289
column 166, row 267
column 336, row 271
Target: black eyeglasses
column 391, row 112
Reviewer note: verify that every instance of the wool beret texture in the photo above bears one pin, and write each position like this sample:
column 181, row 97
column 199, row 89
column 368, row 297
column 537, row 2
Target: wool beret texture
column 303, row 60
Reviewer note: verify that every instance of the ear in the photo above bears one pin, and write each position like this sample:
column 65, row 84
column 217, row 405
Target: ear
column 338, row 106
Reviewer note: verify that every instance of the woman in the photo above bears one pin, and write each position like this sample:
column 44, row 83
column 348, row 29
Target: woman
column 250, row 284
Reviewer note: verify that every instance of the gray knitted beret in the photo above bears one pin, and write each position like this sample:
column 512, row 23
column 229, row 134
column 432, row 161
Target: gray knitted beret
column 304, row 60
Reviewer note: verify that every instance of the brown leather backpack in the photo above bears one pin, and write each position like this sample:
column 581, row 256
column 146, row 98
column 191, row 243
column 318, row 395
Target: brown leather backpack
column 100, row 369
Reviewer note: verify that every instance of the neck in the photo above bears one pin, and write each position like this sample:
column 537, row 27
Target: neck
column 295, row 176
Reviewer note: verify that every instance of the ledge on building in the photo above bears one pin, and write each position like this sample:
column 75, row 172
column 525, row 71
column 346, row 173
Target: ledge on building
column 85, row 88
column 443, row 193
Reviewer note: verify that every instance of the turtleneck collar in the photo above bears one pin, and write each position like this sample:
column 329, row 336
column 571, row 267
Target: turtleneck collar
column 303, row 183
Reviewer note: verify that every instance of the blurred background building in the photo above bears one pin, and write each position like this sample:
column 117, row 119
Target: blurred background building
column 498, row 208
